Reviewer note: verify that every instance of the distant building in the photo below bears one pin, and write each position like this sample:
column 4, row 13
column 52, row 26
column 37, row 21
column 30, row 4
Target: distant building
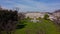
column 57, row 13
column 51, row 17
column 41, row 14
column 35, row 14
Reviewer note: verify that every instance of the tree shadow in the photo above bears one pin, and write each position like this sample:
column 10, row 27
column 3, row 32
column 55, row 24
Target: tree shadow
column 20, row 26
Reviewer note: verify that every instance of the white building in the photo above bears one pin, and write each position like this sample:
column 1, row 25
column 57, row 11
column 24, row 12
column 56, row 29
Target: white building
column 35, row 15
column 40, row 14
column 51, row 17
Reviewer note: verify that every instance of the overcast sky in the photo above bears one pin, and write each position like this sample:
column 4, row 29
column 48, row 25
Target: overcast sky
column 32, row 5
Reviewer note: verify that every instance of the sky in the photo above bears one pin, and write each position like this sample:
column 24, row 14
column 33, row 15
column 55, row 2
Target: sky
column 31, row 5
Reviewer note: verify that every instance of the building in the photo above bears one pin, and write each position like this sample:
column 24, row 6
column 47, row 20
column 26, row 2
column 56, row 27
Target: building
column 57, row 13
column 35, row 14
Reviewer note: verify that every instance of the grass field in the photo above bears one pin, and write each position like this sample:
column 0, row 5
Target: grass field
column 44, row 27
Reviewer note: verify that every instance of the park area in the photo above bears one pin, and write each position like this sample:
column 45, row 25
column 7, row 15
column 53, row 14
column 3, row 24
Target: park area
column 43, row 27
column 11, row 23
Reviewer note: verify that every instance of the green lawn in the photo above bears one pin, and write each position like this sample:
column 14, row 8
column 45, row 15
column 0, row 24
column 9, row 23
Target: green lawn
column 44, row 27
